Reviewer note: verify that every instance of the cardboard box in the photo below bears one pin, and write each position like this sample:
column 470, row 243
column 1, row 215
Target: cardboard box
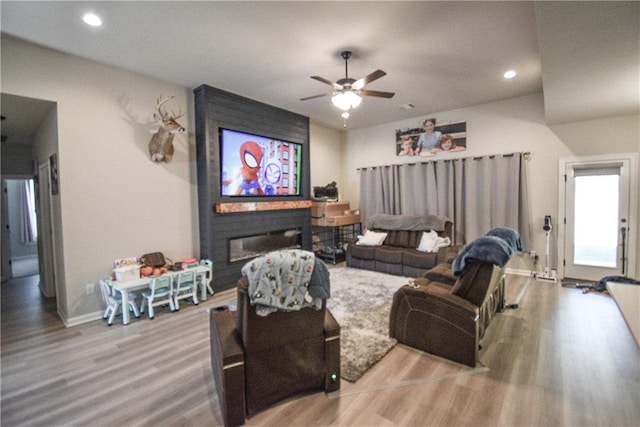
column 129, row 272
column 321, row 210
column 333, row 221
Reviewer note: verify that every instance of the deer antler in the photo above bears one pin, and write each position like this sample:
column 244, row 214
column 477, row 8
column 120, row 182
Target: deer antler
column 177, row 116
column 159, row 103
column 163, row 114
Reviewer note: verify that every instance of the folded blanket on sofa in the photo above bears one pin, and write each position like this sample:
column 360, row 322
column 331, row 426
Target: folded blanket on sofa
column 484, row 249
column 280, row 280
column 509, row 235
column 407, row 222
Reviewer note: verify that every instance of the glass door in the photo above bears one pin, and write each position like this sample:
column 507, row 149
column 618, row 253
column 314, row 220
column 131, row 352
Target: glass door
column 596, row 220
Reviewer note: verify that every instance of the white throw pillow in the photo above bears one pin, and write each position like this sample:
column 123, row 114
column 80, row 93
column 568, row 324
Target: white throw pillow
column 428, row 241
column 431, row 242
column 371, row 238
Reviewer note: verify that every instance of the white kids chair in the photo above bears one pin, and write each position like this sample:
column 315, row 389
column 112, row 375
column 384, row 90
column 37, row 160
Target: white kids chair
column 185, row 287
column 160, row 292
column 113, row 301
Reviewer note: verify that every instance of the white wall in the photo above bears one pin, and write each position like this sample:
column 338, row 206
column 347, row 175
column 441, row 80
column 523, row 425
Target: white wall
column 326, row 156
column 514, row 125
column 114, row 202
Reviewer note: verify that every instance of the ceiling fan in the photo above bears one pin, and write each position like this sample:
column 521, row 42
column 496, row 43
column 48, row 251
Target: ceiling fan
column 348, row 92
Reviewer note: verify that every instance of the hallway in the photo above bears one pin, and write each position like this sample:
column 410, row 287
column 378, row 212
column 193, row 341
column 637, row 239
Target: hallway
column 35, row 315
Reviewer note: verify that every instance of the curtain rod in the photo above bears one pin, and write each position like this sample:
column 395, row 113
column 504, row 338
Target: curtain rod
column 525, row 155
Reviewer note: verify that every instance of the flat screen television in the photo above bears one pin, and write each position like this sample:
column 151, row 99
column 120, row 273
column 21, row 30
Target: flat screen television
column 258, row 166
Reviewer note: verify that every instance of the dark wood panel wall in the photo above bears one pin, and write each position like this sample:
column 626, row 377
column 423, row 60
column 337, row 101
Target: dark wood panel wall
column 217, row 109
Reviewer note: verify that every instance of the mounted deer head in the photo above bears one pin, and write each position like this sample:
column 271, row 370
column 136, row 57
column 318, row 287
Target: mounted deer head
column 161, row 144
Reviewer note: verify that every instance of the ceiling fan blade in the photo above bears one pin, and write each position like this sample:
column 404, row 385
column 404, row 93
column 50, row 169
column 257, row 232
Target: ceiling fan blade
column 314, row 96
column 376, row 93
column 329, row 82
column 359, row 84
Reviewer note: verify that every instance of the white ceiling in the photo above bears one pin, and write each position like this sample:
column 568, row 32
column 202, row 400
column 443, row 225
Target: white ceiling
column 438, row 56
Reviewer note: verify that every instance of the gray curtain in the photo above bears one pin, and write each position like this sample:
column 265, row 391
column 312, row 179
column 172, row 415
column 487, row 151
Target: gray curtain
column 27, row 212
column 428, row 188
column 478, row 193
column 493, row 193
column 380, row 191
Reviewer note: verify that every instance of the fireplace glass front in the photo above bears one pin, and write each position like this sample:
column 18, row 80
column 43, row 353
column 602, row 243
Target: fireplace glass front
column 242, row 248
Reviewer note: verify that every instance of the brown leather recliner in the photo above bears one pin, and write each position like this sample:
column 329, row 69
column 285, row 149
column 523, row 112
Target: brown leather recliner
column 258, row 361
column 448, row 320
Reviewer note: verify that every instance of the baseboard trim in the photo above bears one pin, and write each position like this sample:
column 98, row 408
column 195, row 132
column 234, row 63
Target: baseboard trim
column 519, row 272
column 79, row 320
column 43, row 290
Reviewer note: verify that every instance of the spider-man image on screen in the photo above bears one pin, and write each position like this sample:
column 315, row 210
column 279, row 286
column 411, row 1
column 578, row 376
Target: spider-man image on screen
column 253, row 165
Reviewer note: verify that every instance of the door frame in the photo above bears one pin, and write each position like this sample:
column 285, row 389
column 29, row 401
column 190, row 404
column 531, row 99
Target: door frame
column 6, row 241
column 632, row 218
column 48, row 274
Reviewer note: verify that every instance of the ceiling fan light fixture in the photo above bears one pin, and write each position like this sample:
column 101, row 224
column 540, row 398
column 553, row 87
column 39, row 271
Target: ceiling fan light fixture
column 346, row 100
column 347, row 93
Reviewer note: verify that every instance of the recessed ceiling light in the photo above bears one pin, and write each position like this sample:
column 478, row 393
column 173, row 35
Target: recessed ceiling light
column 510, row 74
column 92, row 19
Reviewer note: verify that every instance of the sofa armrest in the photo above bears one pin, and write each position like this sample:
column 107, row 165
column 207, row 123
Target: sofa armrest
column 228, row 366
column 433, row 320
column 331, row 326
column 438, row 295
column 448, row 254
column 331, row 352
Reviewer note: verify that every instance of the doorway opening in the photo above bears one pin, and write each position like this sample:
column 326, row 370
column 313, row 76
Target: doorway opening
column 29, row 129
column 20, row 233
column 597, row 209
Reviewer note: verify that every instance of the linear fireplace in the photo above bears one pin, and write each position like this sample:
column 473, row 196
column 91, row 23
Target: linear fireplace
column 243, row 248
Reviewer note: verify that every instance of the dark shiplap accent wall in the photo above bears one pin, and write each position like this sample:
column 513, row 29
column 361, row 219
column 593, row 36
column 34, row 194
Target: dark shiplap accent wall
column 217, row 109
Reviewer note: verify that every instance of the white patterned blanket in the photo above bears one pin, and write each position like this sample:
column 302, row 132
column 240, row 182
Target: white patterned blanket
column 280, row 281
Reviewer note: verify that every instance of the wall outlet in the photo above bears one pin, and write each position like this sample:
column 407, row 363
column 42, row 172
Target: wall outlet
column 91, row 288
column 532, row 254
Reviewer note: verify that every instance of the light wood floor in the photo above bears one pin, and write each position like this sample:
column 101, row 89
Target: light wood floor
column 561, row 358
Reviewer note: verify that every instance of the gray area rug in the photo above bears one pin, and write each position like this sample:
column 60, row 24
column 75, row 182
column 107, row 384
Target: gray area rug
column 361, row 303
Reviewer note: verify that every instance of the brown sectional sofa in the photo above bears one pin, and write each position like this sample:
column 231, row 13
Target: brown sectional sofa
column 398, row 254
